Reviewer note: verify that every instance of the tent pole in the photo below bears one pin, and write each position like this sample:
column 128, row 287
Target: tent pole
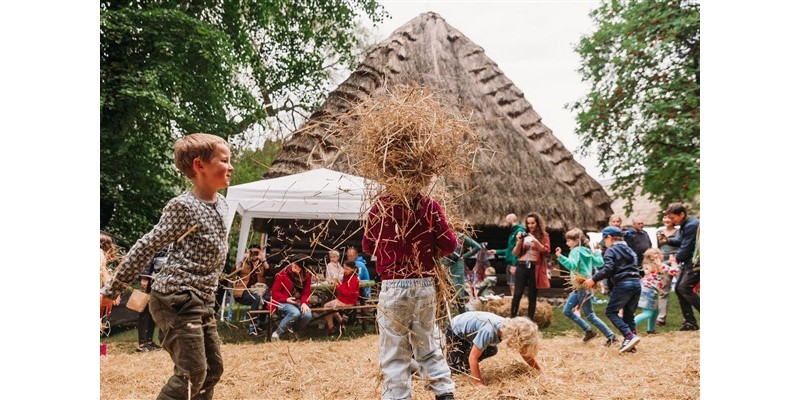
column 244, row 232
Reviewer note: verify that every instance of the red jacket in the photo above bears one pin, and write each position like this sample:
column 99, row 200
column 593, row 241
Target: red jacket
column 411, row 252
column 347, row 291
column 282, row 288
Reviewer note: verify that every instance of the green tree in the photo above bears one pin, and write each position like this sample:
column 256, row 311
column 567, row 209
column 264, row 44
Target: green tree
column 168, row 68
column 642, row 113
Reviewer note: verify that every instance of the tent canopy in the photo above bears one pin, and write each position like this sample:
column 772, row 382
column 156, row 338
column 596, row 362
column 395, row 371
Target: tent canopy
column 316, row 194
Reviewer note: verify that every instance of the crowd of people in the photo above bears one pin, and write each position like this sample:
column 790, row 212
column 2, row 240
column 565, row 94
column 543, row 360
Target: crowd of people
column 180, row 259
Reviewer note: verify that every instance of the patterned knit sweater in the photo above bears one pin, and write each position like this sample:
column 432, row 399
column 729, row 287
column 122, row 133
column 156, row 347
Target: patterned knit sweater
column 195, row 260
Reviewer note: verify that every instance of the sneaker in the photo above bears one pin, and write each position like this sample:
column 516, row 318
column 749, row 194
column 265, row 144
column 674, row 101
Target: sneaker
column 688, row 326
column 275, row 337
column 627, row 344
column 612, row 340
column 143, row 348
column 589, row 335
column 445, row 396
column 154, row 346
column 661, row 322
column 253, row 331
column 651, row 332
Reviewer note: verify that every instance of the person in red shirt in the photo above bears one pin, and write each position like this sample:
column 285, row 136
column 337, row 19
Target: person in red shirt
column 407, row 239
column 290, row 292
column 346, row 295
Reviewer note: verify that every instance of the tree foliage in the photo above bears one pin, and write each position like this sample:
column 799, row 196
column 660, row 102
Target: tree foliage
column 168, row 68
column 642, row 113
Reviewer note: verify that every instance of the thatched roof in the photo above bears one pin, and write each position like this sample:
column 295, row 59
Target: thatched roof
column 531, row 169
column 643, row 207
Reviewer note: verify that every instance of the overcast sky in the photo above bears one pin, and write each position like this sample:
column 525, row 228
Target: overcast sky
column 531, row 42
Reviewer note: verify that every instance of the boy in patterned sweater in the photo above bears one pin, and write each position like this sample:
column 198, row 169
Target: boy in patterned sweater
column 182, row 297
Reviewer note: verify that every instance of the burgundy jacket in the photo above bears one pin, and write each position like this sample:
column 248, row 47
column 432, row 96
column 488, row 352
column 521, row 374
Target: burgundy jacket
column 406, row 243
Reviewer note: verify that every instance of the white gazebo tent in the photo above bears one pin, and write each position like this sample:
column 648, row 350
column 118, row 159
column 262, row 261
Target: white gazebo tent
column 315, row 194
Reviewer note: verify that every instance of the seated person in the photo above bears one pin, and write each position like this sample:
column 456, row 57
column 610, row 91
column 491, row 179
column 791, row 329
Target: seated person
column 346, row 295
column 334, row 271
column 474, row 335
column 290, row 293
column 251, row 283
column 363, row 273
column 486, row 286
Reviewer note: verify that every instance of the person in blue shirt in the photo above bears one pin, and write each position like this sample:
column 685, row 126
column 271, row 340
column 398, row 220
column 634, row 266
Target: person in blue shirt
column 474, row 335
column 363, row 273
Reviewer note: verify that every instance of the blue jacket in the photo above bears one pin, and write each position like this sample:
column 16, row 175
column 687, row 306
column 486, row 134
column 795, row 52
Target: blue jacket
column 619, row 264
column 686, row 241
column 363, row 275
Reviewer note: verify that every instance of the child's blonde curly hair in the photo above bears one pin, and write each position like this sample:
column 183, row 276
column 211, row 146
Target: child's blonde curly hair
column 521, row 334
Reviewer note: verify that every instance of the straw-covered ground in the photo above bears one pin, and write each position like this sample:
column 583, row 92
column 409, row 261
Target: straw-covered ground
column 667, row 366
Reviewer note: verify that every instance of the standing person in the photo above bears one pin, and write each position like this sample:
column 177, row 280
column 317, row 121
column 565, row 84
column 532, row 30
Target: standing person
column 146, row 326
column 351, row 254
column 473, row 336
column 619, row 266
column 638, row 239
column 508, row 252
column 334, row 272
column 582, row 261
column 455, row 261
column 407, row 243
column 652, row 287
column 690, row 274
column 251, row 284
column 346, row 295
column 668, row 232
column 532, row 250
column 290, row 293
column 182, row 295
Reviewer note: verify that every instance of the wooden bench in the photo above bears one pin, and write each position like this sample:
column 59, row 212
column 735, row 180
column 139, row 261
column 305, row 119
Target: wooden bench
column 322, row 312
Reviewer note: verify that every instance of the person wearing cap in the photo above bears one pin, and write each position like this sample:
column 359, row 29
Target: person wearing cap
column 621, row 270
column 290, row 293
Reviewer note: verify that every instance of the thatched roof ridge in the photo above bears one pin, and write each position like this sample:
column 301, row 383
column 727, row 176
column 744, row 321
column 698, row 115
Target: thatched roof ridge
column 531, row 171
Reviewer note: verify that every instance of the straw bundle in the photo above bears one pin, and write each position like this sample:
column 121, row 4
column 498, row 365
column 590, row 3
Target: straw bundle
column 502, row 307
column 348, row 369
column 576, row 281
column 405, row 137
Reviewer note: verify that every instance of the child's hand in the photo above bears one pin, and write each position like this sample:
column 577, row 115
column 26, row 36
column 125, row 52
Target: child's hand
column 589, row 283
column 558, row 251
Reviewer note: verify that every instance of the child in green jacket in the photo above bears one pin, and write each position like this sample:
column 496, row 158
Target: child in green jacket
column 581, row 262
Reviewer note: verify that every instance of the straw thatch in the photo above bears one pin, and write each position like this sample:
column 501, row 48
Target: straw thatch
column 667, row 366
column 528, row 168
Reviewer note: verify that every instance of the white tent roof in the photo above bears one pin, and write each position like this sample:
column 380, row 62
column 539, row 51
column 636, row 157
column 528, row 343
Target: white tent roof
column 316, row 194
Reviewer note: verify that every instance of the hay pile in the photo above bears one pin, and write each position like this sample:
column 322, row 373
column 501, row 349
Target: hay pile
column 543, row 316
column 667, row 366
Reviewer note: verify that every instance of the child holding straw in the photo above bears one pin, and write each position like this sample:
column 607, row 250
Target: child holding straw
column 473, row 336
column 620, row 267
column 182, row 295
column 580, row 264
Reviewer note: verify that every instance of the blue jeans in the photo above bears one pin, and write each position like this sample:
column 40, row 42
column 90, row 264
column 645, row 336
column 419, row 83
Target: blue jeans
column 407, row 326
column 576, row 298
column 292, row 314
column 625, row 297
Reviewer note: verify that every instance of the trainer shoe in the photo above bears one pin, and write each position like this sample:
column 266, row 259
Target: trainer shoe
column 660, row 322
column 275, row 337
column 611, row 341
column 445, row 396
column 627, row 344
column 688, row 326
column 589, row 335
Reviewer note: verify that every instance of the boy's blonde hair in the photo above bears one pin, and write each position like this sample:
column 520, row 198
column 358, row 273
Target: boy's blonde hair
column 333, row 253
column 649, row 263
column 490, row 271
column 521, row 334
column 193, row 146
